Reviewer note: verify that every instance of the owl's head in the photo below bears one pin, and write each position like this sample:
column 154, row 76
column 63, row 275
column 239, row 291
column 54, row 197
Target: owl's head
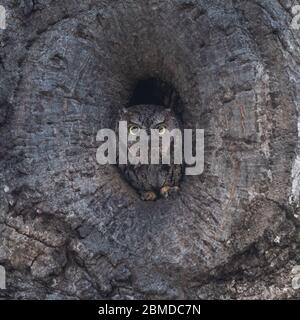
column 149, row 117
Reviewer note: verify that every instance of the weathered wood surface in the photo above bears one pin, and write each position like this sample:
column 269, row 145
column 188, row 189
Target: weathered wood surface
column 70, row 228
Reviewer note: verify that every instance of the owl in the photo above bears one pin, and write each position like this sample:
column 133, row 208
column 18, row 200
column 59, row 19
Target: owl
column 152, row 180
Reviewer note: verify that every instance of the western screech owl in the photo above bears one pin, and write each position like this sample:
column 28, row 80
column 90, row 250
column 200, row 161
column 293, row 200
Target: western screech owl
column 152, row 180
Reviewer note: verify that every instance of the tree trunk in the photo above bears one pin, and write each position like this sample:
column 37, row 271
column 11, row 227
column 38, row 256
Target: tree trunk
column 70, row 228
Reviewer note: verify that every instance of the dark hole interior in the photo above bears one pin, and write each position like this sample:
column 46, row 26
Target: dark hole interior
column 156, row 91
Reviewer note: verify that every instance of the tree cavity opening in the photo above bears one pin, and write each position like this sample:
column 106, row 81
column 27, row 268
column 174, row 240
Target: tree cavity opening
column 156, row 92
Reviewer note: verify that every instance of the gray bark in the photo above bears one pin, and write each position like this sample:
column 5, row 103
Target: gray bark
column 70, row 228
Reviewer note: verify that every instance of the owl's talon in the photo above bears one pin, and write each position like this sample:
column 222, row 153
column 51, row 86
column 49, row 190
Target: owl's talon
column 167, row 191
column 148, row 196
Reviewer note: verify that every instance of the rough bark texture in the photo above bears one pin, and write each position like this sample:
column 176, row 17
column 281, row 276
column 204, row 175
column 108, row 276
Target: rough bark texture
column 70, row 228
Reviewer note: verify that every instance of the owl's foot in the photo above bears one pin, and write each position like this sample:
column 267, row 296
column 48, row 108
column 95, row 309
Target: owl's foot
column 167, row 191
column 148, row 196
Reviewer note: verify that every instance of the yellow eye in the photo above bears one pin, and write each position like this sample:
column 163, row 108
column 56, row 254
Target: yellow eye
column 161, row 129
column 134, row 130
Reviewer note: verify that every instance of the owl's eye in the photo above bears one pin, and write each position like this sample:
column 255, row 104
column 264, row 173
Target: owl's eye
column 134, row 129
column 161, row 129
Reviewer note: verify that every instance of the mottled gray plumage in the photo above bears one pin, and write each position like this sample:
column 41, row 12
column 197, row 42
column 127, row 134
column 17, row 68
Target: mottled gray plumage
column 153, row 179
